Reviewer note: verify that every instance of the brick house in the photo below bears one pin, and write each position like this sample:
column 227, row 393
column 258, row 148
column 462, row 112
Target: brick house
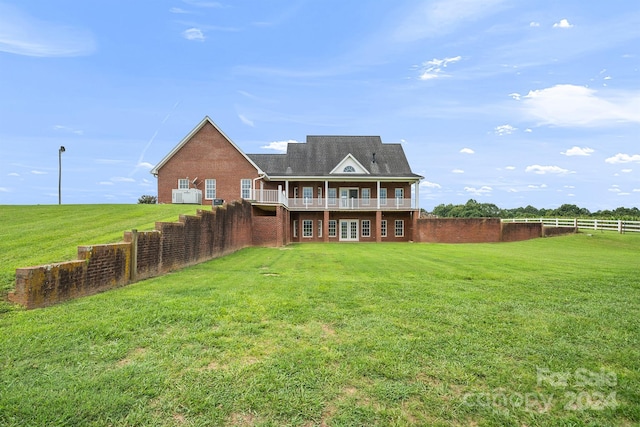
column 331, row 188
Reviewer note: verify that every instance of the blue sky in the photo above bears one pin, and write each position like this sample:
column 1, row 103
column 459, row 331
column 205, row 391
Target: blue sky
column 512, row 102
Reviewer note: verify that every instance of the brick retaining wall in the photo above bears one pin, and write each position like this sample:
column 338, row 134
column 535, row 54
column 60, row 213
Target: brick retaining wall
column 193, row 239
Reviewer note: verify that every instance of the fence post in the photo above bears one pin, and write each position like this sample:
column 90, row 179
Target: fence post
column 133, row 272
column 620, row 226
column 575, row 223
column 595, row 224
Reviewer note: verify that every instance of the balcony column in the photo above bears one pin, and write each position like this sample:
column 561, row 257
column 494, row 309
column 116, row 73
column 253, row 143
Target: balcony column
column 417, row 192
column 378, row 194
column 326, row 194
column 286, row 190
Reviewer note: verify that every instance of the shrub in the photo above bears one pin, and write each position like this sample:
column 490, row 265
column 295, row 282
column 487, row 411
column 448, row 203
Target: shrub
column 147, row 200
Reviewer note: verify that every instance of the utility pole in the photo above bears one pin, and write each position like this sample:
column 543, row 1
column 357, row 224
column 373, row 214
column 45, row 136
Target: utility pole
column 60, row 151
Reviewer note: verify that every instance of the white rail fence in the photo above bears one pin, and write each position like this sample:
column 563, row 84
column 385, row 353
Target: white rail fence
column 621, row 226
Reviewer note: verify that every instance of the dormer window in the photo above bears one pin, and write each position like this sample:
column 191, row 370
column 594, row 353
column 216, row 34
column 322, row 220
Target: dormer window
column 349, row 169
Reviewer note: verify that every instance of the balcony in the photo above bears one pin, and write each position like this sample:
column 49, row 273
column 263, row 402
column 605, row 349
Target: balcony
column 332, row 204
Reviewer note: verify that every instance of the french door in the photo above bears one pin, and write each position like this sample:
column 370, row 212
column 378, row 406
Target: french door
column 349, row 230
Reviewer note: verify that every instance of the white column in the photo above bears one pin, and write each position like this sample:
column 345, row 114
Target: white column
column 378, row 193
column 418, row 196
column 326, row 194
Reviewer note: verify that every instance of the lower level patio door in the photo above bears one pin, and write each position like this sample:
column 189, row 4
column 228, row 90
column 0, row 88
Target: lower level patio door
column 349, row 230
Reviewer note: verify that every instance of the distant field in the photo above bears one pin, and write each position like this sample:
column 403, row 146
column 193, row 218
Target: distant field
column 43, row 234
column 535, row 333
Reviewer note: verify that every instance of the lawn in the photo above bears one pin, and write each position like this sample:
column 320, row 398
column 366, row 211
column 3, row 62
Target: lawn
column 43, row 234
column 542, row 332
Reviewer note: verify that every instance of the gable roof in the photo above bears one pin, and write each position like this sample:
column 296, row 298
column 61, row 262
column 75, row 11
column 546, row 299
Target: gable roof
column 320, row 155
column 187, row 138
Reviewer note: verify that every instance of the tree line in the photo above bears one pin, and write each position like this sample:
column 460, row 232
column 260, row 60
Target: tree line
column 473, row 209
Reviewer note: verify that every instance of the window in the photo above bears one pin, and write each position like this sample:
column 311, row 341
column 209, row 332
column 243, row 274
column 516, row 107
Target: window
column 307, row 228
column 332, row 227
column 319, row 194
column 349, row 169
column 183, row 184
column 399, row 228
column 383, row 228
column 399, row 193
column 365, row 193
column 319, row 228
column 245, row 188
column 333, row 194
column 383, row 196
column 307, row 195
column 366, row 228
column 295, row 228
column 209, row 189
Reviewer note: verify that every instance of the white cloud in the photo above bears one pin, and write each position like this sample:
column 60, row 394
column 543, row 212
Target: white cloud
column 109, row 161
column 623, row 158
column 537, row 186
column 542, row 170
column 562, row 24
column 204, row 3
column 245, row 120
column 636, row 190
column 105, row 183
column 615, row 189
column 22, row 34
column 145, row 165
column 534, row 24
column 4, row 190
column 68, row 129
column 504, row 130
column 478, row 191
column 427, row 184
column 515, row 96
column 457, row 171
column 576, row 106
column 577, row 151
column 626, row 170
column 122, row 179
column 13, row 174
column 193, row 34
column 467, row 151
column 435, row 68
column 37, row 172
column 280, row 146
column 510, row 168
column 178, row 10
column 433, row 18
column 527, row 130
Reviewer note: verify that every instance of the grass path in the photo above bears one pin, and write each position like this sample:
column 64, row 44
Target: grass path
column 543, row 332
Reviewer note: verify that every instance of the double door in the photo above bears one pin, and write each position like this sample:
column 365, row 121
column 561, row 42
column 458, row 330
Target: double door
column 349, row 230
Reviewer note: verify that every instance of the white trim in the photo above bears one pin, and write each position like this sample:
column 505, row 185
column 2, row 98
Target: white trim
column 343, row 177
column 349, row 160
column 349, row 237
column 395, row 228
column 210, row 187
column 187, row 138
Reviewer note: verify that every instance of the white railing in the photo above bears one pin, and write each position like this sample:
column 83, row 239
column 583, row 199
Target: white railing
column 270, row 196
column 304, row 203
column 621, row 226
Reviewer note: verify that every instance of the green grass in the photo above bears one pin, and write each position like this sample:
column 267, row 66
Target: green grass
column 44, row 234
column 344, row 334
